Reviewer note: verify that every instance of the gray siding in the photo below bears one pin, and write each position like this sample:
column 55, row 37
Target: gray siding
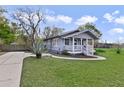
column 60, row 44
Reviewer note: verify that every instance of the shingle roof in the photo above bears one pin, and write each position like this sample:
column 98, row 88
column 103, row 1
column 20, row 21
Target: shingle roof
column 66, row 34
column 63, row 34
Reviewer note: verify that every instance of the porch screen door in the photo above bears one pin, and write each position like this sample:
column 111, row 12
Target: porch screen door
column 77, row 41
column 83, row 41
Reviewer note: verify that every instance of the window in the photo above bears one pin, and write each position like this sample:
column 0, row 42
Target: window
column 54, row 43
column 90, row 41
column 66, row 41
column 77, row 41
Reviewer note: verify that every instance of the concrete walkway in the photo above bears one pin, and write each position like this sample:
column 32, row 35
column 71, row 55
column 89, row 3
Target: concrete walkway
column 10, row 68
column 72, row 58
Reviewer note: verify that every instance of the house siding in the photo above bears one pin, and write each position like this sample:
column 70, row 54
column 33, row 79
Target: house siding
column 55, row 45
column 58, row 44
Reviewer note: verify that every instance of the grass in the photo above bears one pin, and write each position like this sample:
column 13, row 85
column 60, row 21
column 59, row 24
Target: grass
column 51, row 72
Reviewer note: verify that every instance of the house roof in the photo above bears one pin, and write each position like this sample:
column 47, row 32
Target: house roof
column 73, row 32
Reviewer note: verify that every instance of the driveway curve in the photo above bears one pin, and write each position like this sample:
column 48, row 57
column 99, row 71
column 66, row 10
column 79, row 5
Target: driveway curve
column 10, row 68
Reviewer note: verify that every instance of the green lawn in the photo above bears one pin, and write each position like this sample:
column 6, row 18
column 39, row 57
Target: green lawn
column 57, row 72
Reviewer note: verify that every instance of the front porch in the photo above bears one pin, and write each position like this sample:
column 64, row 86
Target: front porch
column 79, row 45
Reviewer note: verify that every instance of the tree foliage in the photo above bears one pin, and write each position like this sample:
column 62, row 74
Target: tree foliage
column 90, row 26
column 52, row 31
column 21, row 38
column 6, row 34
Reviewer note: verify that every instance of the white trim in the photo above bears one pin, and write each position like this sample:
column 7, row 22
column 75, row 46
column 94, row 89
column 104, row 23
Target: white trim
column 74, row 52
column 81, row 45
column 73, row 44
column 74, row 34
column 79, row 33
column 92, row 46
column 75, row 49
column 87, row 46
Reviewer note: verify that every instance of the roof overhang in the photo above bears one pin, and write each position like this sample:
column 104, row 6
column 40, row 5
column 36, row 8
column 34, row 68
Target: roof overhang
column 80, row 32
column 76, row 32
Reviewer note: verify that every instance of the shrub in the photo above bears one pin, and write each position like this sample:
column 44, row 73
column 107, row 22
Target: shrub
column 38, row 47
column 118, row 51
column 99, row 51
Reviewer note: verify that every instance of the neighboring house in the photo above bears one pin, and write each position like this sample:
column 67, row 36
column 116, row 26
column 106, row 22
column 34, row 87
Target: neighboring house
column 74, row 42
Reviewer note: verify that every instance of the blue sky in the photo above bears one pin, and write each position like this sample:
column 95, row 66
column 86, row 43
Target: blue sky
column 108, row 19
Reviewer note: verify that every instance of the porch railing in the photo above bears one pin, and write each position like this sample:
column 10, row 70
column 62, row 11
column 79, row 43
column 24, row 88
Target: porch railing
column 79, row 48
column 68, row 47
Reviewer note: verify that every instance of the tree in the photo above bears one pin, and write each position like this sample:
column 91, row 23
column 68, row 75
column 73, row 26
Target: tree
column 56, row 31
column 15, row 28
column 52, row 31
column 6, row 34
column 30, row 20
column 21, row 38
column 90, row 26
column 47, row 32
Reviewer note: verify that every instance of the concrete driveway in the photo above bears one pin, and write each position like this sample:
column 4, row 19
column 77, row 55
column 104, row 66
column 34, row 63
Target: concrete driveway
column 10, row 68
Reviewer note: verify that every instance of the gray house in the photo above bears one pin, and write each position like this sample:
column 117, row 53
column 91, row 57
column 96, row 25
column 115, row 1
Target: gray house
column 74, row 42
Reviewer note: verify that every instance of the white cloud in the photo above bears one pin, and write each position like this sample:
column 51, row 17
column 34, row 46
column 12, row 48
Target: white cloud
column 111, row 18
column 115, row 12
column 120, row 20
column 108, row 17
column 85, row 19
column 116, row 31
column 65, row 19
column 59, row 18
column 50, row 18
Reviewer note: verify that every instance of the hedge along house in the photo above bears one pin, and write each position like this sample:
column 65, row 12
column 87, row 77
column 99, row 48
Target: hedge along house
column 74, row 42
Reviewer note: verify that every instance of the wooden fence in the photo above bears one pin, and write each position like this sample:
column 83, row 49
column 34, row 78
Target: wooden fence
column 14, row 48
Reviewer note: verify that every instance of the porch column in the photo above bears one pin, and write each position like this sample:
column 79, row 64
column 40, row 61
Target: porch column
column 81, row 45
column 87, row 46
column 92, row 46
column 72, row 44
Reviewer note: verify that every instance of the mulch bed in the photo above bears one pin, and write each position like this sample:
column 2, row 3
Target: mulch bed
column 74, row 56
